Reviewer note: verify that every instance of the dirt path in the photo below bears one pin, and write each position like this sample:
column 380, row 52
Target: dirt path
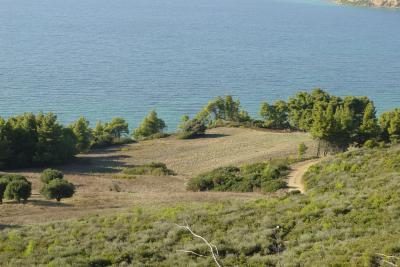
column 298, row 170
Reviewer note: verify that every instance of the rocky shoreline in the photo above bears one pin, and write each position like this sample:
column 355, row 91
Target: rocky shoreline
column 372, row 3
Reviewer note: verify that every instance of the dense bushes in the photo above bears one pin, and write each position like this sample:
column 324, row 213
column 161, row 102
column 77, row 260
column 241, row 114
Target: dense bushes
column 265, row 177
column 14, row 187
column 191, row 128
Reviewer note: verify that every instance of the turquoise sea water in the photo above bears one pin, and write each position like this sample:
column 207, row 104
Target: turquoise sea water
column 106, row 58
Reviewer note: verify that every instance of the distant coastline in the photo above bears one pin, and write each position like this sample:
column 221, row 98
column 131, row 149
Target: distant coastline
column 371, row 3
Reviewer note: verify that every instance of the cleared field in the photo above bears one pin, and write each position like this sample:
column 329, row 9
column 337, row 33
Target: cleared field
column 96, row 173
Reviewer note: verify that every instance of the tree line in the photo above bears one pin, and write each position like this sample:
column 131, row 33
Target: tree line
column 32, row 140
column 335, row 121
column 36, row 140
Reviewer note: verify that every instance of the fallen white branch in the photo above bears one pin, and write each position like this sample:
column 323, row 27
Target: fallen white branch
column 387, row 256
column 383, row 256
column 191, row 252
column 213, row 248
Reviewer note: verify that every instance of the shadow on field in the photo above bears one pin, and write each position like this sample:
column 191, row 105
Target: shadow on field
column 210, row 136
column 48, row 203
column 98, row 161
column 9, row 226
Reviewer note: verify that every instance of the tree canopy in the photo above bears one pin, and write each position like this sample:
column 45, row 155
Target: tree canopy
column 150, row 125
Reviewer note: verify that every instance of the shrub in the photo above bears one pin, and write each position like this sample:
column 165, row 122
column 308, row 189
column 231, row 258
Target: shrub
column 51, row 174
column 302, row 149
column 192, row 128
column 158, row 169
column 18, row 189
column 58, row 189
column 5, row 180
column 260, row 176
column 371, row 143
column 272, row 186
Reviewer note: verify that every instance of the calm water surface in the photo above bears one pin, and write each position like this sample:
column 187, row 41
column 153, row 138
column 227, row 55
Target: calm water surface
column 103, row 58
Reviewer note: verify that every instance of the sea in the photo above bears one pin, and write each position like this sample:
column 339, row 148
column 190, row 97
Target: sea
column 107, row 58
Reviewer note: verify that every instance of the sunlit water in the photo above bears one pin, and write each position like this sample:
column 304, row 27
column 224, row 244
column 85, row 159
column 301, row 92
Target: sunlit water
column 106, row 58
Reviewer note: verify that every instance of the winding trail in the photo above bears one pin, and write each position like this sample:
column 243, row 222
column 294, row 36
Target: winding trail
column 295, row 181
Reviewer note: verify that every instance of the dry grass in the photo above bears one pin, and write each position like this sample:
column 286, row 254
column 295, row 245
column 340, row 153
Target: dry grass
column 95, row 173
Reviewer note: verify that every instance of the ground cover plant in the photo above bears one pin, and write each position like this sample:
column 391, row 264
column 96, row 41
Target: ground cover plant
column 349, row 217
column 265, row 177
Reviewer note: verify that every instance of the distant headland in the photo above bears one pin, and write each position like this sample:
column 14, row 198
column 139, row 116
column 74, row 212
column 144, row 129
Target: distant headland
column 372, row 3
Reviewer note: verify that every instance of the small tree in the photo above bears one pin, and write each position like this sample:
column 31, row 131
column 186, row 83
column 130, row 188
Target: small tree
column 151, row 125
column 302, row 149
column 58, row 189
column 275, row 116
column 51, row 174
column 83, row 134
column 19, row 190
column 117, row 127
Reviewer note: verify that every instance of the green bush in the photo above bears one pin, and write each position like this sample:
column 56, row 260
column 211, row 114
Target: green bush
column 192, row 129
column 5, row 179
column 158, row 169
column 371, row 144
column 266, row 177
column 58, row 189
column 18, row 189
column 51, row 174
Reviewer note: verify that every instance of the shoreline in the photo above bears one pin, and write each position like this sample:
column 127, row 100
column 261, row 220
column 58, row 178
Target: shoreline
column 366, row 4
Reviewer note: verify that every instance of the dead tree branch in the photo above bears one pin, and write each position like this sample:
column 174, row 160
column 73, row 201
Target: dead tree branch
column 213, row 248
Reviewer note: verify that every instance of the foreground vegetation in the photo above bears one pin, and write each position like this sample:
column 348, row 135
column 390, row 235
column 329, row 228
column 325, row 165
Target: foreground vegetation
column 349, row 216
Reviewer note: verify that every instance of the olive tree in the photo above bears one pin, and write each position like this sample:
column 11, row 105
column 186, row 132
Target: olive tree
column 58, row 189
column 18, row 189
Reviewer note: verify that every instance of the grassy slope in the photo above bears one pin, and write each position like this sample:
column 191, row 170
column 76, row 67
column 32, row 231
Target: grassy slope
column 350, row 213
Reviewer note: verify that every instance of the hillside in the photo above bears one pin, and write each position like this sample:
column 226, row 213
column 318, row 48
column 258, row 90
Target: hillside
column 98, row 174
column 349, row 216
column 372, row 3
